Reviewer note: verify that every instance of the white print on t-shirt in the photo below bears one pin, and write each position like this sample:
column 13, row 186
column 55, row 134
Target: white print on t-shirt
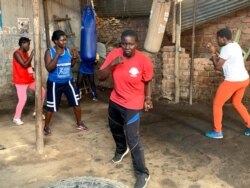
column 133, row 72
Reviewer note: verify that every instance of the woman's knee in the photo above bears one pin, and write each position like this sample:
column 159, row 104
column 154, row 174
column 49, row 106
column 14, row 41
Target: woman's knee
column 22, row 100
column 218, row 103
column 236, row 103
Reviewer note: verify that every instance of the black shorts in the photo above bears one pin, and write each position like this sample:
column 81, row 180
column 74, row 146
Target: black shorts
column 55, row 91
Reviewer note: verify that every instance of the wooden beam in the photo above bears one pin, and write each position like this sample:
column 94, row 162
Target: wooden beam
column 192, row 56
column 38, row 76
column 174, row 21
column 61, row 19
column 177, row 53
column 46, row 21
column 177, row 64
column 81, row 6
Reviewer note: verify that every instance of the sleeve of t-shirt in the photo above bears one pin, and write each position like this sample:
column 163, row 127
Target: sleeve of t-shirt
column 148, row 70
column 108, row 59
column 224, row 53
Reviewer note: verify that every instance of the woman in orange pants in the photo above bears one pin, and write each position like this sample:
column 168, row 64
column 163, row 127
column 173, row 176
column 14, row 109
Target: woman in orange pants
column 230, row 60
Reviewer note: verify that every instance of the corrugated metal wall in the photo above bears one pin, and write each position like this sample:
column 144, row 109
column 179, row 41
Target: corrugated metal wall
column 206, row 9
column 122, row 8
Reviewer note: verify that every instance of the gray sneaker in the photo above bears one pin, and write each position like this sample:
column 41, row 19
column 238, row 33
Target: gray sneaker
column 142, row 181
column 118, row 157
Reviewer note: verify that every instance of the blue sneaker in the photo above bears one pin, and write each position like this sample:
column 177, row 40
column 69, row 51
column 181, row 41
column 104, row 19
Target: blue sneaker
column 217, row 135
column 247, row 132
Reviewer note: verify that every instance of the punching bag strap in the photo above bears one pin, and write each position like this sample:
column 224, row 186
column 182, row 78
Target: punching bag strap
column 90, row 2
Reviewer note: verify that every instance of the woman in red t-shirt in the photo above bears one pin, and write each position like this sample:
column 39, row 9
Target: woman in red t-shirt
column 132, row 73
column 23, row 76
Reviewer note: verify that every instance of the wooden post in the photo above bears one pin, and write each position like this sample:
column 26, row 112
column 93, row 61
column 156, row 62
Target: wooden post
column 174, row 22
column 177, row 54
column 192, row 57
column 176, row 66
column 46, row 22
column 38, row 76
column 81, row 5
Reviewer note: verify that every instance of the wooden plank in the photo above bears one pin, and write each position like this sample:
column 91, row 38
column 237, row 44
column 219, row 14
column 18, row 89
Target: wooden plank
column 192, row 56
column 177, row 64
column 177, row 53
column 46, row 20
column 57, row 19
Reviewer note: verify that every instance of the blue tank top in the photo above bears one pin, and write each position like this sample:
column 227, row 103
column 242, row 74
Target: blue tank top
column 86, row 67
column 62, row 73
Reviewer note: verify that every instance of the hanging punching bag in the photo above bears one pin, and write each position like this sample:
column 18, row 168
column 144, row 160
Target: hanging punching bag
column 88, row 35
column 157, row 25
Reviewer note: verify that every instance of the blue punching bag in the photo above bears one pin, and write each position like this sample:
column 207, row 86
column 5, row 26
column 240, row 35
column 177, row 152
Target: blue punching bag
column 88, row 35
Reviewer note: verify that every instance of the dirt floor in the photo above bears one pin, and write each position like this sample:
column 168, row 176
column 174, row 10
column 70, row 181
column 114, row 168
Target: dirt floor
column 178, row 154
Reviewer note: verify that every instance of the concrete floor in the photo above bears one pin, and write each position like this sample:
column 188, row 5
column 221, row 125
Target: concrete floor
column 178, row 154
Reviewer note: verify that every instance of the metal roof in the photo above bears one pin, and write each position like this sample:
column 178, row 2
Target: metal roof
column 209, row 10
column 206, row 9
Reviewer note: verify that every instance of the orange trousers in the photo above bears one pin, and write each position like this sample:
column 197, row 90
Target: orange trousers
column 225, row 91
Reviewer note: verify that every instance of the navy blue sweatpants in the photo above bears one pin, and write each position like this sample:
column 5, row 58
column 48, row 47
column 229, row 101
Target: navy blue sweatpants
column 124, row 125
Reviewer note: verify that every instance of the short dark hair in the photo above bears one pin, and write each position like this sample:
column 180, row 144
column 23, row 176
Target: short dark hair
column 225, row 32
column 131, row 33
column 57, row 34
column 23, row 40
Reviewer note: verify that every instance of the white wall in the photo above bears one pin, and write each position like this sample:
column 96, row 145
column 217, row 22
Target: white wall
column 14, row 9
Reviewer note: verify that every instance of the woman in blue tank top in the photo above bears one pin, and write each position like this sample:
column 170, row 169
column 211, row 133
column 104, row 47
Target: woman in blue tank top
column 62, row 72
column 58, row 62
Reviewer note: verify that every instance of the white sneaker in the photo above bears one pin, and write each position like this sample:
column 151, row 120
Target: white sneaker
column 18, row 121
column 34, row 115
column 94, row 99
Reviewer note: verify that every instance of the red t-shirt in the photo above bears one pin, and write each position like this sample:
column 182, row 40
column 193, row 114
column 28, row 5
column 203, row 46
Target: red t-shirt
column 129, row 78
column 22, row 75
